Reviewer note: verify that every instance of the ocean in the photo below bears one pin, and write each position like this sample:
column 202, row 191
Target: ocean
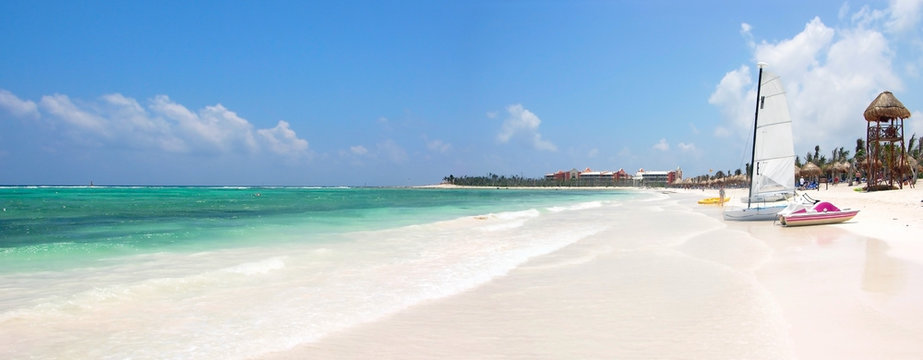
column 237, row 272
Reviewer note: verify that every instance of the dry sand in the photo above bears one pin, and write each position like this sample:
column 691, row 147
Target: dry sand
column 727, row 290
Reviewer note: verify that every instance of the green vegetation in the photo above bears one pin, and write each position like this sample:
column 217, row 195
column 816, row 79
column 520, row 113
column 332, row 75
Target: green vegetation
column 497, row 181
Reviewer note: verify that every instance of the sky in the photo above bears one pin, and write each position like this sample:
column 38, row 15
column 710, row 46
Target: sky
column 393, row 93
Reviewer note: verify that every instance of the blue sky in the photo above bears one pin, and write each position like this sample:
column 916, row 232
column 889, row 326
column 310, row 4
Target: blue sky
column 405, row 93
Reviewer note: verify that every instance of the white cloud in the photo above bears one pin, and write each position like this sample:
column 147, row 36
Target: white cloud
column 520, row 120
column 866, row 17
column 592, row 153
column 136, row 127
column 843, row 13
column 283, row 141
column 686, row 147
column 731, row 96
column 904, row 15
column 721, row 131
column 358, row 150
column 800, row 54
column 63, row 108
column 17, row 106
column 119, row 121
column 437, row 145
column 830, row 76
column 914, row 126
column 745, row 28
column 745, row 32
column 662, row 145
column 524, row 123
column 693, row 128
column 214, row 127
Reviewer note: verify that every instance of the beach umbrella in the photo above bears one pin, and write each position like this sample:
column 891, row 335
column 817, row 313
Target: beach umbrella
column 810, row 169
column 886, row 106
column 797, row 171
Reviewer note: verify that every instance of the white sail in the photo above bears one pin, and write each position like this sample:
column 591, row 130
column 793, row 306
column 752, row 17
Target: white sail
column 773, row 155
column 774, row 150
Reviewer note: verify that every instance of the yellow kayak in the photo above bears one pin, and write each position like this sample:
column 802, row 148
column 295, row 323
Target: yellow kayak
column 714, row 200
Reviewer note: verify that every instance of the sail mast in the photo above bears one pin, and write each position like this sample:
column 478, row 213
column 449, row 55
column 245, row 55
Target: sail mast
column 756, row 115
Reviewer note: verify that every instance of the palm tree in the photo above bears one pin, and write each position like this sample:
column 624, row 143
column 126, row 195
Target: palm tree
column 910, row 146
column 860, row 149
column 919, row 147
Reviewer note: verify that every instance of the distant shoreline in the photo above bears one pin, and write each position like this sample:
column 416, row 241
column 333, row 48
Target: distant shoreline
column 488, row 187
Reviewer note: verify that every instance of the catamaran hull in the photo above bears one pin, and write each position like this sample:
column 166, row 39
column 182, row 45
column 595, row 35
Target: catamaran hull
column 817, row 218
column 753, row 214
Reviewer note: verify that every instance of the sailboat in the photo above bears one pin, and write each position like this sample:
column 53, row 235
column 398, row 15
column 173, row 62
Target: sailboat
column 772, row 182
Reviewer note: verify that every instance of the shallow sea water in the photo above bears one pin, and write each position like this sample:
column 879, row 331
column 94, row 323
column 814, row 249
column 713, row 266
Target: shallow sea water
column 218, row 273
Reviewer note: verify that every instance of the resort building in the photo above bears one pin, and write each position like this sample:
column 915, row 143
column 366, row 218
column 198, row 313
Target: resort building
column 588, row 177
column 657, row 178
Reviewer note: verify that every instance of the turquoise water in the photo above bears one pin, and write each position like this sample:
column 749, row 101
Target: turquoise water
column 234, row 273
column 42, row 227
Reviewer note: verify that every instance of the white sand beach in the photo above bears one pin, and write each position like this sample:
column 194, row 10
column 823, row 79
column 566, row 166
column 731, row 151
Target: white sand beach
column 684, row 284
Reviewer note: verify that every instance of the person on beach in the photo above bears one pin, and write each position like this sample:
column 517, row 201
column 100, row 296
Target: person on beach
column 721, row 195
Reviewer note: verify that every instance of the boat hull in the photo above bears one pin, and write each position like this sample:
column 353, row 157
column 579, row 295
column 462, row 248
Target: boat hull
column 754, row 213
column 817, row 218
column 714, row 200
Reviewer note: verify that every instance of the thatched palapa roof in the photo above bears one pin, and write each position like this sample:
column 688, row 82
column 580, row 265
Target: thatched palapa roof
column 886, row 107
column 841, row 167
column 810, row 169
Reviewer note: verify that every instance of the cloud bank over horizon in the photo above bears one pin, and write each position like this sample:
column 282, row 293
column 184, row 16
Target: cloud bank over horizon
column 115, row 120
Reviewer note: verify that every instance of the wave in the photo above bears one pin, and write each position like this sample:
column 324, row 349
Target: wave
column 138, row 290
column 257, row 267
column 579, row 206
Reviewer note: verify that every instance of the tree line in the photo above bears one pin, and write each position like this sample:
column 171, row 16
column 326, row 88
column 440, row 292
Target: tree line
column 840, row 155
column 497, row 181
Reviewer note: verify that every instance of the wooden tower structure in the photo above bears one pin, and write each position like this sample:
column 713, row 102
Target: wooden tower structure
column 885, row 141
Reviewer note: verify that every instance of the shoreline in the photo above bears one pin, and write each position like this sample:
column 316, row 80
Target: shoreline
column 848, row 290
